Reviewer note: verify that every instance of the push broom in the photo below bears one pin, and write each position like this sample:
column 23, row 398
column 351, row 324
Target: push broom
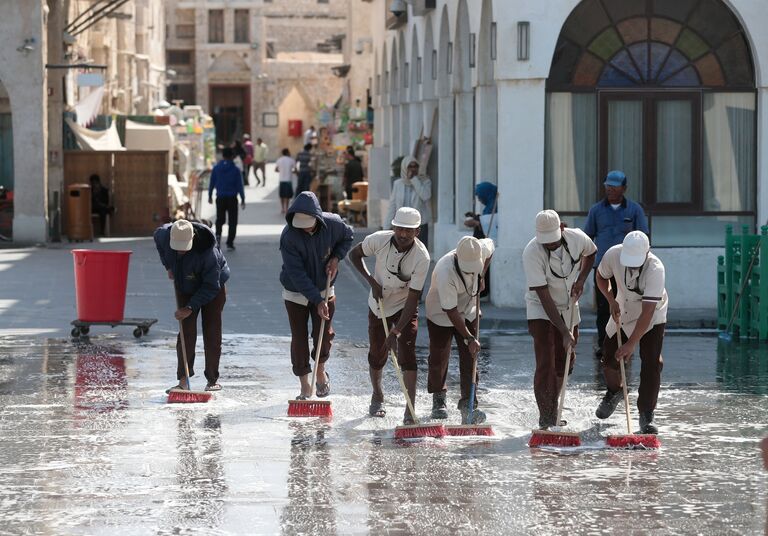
column 540, row 438
column 472, row 429
column 630, row 440
column 416, row 430
column 186, row 396
column 313, row 408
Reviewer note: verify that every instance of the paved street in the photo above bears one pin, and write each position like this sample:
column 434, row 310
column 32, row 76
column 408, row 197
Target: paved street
column 91, row 447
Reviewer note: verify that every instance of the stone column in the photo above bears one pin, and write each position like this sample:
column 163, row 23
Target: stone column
column 762, row 156
column 444, row 225
column 486, row 129
column 464, row 156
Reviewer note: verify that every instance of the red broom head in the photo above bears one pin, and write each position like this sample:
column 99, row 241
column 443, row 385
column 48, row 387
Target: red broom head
column 188, row 397
column 634, row 441
column 310, row 408
column 543, row 438
column 469, row 430
column 416, row 431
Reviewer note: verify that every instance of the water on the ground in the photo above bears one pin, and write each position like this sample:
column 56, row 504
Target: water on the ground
column 90, row 446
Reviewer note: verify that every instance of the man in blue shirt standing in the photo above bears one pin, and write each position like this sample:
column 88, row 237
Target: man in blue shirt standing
column 227, row 180
column 608, row 222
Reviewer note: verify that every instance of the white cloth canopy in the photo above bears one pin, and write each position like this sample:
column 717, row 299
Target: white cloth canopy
column 96, row 140
column 88, row 108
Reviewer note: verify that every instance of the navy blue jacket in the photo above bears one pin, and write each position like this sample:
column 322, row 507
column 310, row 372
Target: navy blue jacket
column 305, row 255
column 608, row 227
column 227, row 180
column 201, row 271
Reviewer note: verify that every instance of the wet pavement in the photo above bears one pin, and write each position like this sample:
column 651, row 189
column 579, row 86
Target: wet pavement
column 90, row 446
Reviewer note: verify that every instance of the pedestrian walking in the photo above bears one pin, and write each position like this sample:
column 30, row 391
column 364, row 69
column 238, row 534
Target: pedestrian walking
column 608, row 222
column 400, row 271
column 260, row 151
column 640, row 307
column 228, row 183
column 310, row 135
column 451, row 310
column 411, row 190
column 557, row 262
column 353, row 171
column 305, row 169
column 284, row 167
column 311, row 244
column 194, row 262
column 248, row 161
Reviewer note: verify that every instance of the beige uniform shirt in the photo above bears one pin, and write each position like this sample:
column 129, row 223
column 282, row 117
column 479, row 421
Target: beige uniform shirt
column 411, row 265
column 635, row 286
column 449, row 288
column 558, row 270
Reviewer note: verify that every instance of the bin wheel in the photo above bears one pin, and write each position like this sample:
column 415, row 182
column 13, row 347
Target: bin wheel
column 145, row 330
column 85, row 329
column 75, row 332
column 137, row 332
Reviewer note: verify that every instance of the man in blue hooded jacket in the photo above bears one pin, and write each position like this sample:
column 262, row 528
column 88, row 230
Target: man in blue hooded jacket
column 312, row 244
column 227, row 180
column 197, row 266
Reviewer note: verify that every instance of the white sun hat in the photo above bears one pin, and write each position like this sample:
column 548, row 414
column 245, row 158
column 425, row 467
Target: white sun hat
column 634, row 249
column 469, row 253
column 548, row 227
column 303, row 221
column 407, row 217
column 182, row 234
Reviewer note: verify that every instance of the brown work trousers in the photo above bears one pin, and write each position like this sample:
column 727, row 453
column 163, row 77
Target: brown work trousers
column 298, row 315
column 651, row 364
column 439, row 353
column 211, row 313
column 550, row 367
column 406, row 343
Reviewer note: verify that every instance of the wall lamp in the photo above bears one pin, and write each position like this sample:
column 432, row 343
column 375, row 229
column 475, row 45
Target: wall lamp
column 27, row 46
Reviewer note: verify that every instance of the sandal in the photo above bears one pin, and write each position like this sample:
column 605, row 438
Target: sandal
column 324, row 389
column 215, row 386
column 180, row 387
column 376, row 409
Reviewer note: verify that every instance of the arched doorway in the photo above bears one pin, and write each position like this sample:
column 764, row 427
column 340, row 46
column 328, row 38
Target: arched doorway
column 6, row 165
column 295, row 105
column 664, row 91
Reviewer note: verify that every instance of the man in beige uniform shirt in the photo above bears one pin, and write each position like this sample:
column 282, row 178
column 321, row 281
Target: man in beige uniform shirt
column 641, row 304
column 402, row 263
column 556, row 262
column 451, row 311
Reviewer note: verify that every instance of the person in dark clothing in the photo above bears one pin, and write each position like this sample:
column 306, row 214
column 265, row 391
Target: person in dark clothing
column 487, row 194
column 199, row 270
column 304, row 169
column 100, row 202
column 353, row 171
column 239, row 150
column 312, row 244
column 228, row 183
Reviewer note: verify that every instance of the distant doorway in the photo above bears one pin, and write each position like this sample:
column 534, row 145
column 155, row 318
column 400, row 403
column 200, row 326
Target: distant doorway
column 230, row 107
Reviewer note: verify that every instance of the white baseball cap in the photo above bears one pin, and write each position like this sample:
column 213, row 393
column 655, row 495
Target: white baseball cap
column 407, row 217
column 303, row 221
column 548, row 227
column 182, row 234
column 634, row 249
column 469, row 253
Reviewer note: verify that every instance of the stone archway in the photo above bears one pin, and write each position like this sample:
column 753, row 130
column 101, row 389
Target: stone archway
column 295, row 105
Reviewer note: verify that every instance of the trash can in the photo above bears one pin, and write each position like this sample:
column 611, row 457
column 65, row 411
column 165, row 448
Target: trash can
column 101, row 278
column 79, row 225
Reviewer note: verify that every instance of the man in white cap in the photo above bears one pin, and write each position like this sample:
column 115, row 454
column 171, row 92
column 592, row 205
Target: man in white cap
column 451, row 310
column 197, row 266
column 557, row 263
column 311, row 244
column 402, row 263
column 640, row 306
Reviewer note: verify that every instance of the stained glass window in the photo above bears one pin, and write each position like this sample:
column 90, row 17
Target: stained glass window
column 652, row 43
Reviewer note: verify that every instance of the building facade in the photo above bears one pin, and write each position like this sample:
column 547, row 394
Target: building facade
column 544, row 98
column 255, row 65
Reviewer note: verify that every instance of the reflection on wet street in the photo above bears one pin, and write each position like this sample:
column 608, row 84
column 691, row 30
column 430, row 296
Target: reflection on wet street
column 90, row 446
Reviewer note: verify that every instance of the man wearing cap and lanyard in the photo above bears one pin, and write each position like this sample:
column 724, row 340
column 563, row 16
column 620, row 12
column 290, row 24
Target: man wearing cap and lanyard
column 641, row 305
column 556, row 262
column 457, row 279
column 311, row 245
column 607, row 223
column 192, row 257
column 402, row 263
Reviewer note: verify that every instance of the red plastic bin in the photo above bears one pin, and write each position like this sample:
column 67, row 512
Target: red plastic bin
column 101, row 279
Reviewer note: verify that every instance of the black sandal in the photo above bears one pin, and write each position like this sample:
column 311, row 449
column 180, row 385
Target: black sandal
column 376, row 409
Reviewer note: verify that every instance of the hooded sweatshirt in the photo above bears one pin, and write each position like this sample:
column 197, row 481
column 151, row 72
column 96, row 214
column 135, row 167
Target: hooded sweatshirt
column 306, row 255
column 486, row 194
column 227, row 180
column 201, row 271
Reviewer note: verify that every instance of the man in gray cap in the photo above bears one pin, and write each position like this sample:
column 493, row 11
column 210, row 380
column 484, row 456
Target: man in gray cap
column 608, row 222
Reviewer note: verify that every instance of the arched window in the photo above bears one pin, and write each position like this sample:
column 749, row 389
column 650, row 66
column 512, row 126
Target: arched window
column 665, row 91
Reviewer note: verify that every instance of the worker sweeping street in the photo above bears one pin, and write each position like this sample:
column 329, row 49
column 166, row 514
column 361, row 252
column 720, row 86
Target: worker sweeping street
column 311, row 244
column 402, row 263
column 197, row 266
column 557, row 262
column 640, row 306
column 451, row 309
